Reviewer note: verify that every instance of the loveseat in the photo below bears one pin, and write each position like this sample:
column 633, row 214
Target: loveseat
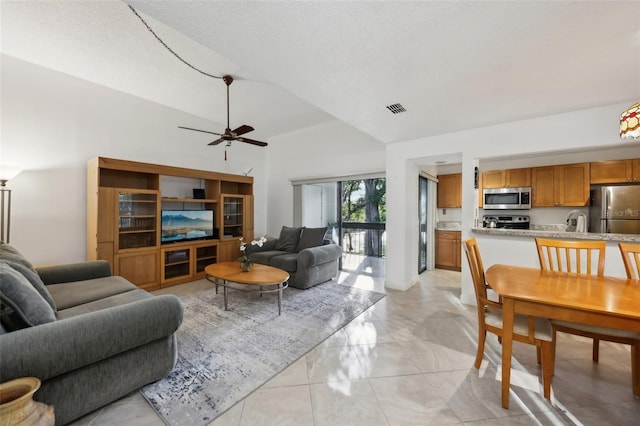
column 302, row 252
column 91, row 338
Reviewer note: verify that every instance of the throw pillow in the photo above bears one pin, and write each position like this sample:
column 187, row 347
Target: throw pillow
column 32, row 276
column 288, row 240
column 18, row 262
column 311, row 237
column 20, row 300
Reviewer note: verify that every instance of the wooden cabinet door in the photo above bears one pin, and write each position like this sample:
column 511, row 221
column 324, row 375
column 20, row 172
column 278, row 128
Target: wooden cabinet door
column 459, row 252
column 493, row 179
column 448, row 247
column 248, row 218
column 515, row 178
column 572, row 185
column 616, row 171
column 141, row 268
column 510, row 178
column 229, row 250
column 450, row 191
column 636, row 170
column 107, row 215
column 542, row 181
column 560, row 186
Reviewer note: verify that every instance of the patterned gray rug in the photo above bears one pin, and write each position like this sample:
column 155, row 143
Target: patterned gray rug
column 224, row 356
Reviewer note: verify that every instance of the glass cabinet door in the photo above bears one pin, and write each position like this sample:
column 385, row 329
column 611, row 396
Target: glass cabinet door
column 137, row 219
column 233, row 216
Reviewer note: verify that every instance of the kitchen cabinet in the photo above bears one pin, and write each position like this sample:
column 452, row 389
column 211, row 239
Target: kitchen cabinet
column 510, row 178
column 448, row 250
column 450, row 191
column 564, row 185
column 615, row 171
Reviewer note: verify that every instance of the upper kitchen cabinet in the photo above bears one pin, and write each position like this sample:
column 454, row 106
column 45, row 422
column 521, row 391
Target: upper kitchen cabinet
column 560, row 186
column 450, row 191
column 510, row 178
column 616, row 171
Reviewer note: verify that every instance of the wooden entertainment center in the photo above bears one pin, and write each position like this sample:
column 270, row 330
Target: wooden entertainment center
column 125, row 200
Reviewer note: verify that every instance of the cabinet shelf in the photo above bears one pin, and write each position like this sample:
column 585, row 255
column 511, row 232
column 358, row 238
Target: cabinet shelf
column 135, row 231
column 182, row 262
column 188, row 200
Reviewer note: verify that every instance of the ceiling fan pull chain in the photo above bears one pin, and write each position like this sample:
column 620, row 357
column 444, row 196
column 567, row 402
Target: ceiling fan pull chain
column 225, row 153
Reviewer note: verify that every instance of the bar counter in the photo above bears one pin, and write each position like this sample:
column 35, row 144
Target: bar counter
column 552, row 233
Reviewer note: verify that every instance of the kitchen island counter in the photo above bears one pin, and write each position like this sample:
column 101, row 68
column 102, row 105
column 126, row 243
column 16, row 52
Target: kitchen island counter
column 535, row 233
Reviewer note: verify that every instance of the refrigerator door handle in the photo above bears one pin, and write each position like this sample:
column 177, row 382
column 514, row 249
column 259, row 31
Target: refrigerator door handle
column 606, row 198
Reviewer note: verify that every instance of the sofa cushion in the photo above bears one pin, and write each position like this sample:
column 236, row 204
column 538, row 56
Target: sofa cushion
column 68, row 295
column 311, row 237
column 22, row 305
column 18, row 262
column 288, row 262
column 264, row 257
column 288, row 240
column 120, row 299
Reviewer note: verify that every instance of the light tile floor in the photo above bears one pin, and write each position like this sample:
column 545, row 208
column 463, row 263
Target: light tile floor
column 408, row 360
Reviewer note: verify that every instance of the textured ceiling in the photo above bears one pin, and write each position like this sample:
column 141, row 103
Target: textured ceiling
column 453, row 65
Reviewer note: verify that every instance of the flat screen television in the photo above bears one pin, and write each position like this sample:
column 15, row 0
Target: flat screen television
column 185, row 225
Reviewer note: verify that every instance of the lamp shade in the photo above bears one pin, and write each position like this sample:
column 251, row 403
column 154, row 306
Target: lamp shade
column 630, row 123
column 8, row 172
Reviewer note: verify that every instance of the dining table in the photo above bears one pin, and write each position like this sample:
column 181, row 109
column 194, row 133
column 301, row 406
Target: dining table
column 596, row 300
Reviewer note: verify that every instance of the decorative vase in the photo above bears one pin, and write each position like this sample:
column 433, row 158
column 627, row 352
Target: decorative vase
column 245, row 266
column 17, row 406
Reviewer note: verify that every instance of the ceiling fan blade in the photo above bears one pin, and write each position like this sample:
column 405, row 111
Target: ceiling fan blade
column 243, row 129
column 252, row 141
column 198, row 130
column 216, row 142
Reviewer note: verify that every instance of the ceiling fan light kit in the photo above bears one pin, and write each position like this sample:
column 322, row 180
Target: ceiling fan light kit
column 230, row 135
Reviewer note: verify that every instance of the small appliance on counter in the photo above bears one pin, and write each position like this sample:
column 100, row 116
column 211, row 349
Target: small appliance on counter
column 576, row 221
column 505, row 221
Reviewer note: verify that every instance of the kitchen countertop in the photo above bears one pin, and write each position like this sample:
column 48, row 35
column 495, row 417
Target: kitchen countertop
column 448, row 226
column 555, row 233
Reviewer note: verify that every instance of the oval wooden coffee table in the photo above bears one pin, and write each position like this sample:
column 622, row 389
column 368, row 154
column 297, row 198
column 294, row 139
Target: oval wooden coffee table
column 260, row 278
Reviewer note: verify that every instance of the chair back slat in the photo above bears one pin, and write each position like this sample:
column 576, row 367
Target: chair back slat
column 573, row 256
column 477, row 269
column 631, row 259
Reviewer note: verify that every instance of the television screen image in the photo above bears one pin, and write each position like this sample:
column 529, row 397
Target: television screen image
column 184, row 225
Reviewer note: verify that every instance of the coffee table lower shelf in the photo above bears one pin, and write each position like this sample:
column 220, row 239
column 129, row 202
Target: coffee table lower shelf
column 260, row 279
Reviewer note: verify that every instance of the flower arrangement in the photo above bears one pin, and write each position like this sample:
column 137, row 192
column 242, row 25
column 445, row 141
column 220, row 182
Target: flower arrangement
column 243, row 246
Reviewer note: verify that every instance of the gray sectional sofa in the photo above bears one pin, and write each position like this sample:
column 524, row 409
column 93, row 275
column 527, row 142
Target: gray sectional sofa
column 303, row 252
column 90, row 337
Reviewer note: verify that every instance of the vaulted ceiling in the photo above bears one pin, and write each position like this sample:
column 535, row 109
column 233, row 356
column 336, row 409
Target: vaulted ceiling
column 452, row 65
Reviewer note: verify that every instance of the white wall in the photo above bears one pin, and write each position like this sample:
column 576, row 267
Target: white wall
column 593, row 128
column 53, row 123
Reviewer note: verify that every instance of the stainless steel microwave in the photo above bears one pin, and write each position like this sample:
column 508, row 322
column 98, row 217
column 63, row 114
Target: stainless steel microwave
column 507, row 198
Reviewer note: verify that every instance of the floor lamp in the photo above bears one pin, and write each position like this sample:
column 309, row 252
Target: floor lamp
column 6, row 173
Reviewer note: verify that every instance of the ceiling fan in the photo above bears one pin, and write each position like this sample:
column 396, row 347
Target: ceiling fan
column 230, row 135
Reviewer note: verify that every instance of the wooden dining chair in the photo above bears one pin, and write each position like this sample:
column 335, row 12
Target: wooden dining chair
column 631, row 258
column 531, row 330
column 581, row 257
column 575, row 256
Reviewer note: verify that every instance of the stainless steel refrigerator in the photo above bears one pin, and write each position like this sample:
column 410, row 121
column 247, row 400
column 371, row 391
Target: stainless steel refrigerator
column 615, row 209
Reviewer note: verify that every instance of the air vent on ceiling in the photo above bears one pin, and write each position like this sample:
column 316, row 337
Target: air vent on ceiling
column 396, row 108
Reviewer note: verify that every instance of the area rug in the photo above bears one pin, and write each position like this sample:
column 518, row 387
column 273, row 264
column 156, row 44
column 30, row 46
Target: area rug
column 223, row 356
